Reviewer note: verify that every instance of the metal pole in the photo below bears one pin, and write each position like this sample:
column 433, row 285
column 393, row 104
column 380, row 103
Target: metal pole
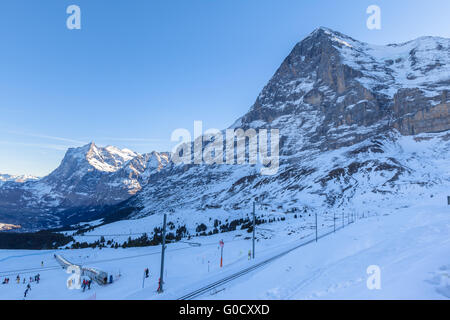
column 316, row 227
column 254, row 227
column 334, row 221
column 160, row 290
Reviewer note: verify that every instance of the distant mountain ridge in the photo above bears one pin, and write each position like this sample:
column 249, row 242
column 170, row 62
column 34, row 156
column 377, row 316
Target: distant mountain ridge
column 16, row 178
column 344, row 109
column 88, row 177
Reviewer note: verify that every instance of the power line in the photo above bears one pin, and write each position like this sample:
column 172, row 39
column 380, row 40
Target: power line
column 32, row 270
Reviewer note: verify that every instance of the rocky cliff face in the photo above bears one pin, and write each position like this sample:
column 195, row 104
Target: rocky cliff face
column 341, row 106
column 346, row 87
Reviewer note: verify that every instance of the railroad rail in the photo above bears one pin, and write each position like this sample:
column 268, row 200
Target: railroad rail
column 214, row 285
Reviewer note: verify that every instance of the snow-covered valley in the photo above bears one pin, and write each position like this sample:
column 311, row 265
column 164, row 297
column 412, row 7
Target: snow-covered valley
column 411, row 245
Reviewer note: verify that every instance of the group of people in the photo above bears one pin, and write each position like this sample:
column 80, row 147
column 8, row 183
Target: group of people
column 36, row 279
column 86, row 283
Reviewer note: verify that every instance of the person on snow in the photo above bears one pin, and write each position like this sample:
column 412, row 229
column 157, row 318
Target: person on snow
column 146, row 272
column 89, row 284
column 28, row 287
column 25, row 294
column 83, row 286
column 18, row 279
column 42, row 263
column 249, row 254
column 24, row 281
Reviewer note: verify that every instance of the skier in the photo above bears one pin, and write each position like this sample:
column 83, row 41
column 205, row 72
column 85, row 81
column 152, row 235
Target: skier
column 42, row 264
column 28, row 287
column 146, row 272
column 25, row 294
column 18, row 279
column 24, row 281
column 249, row 254
column 89, row 284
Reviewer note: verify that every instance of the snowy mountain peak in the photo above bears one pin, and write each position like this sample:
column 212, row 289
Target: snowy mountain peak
column 340, row 105
column 90, row 156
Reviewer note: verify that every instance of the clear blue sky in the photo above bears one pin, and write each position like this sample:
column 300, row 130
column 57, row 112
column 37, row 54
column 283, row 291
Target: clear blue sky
column 138, row 69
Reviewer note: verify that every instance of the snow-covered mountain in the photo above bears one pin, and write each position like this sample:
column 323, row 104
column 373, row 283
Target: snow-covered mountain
column 360, row 125
column 16, row 178
column 88, row 177
column 344, row 109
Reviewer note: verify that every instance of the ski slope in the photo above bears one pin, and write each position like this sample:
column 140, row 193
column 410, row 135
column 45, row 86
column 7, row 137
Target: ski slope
column 411, row 245
column 412, row 248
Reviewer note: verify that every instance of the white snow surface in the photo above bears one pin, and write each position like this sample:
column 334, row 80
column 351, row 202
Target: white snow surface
column 410, row 244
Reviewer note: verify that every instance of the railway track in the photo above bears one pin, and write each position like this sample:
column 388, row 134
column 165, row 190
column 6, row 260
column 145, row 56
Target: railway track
column 216, row 284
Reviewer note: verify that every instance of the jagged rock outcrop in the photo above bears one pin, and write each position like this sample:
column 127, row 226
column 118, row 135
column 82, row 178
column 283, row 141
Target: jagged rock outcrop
column 341, row 106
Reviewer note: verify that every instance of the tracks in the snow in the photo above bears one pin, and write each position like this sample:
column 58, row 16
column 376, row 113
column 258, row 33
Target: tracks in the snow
column 216, row 284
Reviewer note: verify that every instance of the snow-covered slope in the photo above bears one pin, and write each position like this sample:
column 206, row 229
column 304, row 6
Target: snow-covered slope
column 369, row 178
column 409, row 244
column 345, row 110
column 349, row 119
